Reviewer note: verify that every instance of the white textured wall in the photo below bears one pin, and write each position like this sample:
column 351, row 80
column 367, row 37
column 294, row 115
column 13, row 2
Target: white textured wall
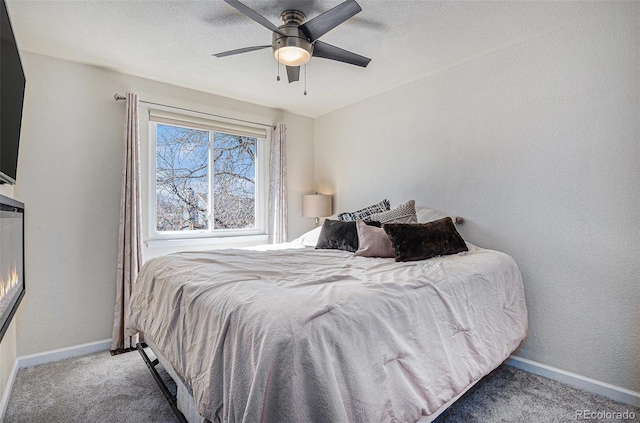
column 538, row 147
column 69, row 179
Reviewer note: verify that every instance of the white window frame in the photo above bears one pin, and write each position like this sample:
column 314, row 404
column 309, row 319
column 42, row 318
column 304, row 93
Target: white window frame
column 261, row 186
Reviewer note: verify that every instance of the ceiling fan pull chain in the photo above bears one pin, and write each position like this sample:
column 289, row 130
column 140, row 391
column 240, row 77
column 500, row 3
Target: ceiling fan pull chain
column 278, row 64
column 305, row 79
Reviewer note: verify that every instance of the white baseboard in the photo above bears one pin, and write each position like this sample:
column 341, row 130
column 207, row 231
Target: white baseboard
column 7, row 390
column 63, row 353
column 614, row 392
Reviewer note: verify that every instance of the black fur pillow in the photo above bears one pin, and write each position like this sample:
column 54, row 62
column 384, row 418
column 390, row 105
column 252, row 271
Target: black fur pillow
column 420, row 241
column 339, row 235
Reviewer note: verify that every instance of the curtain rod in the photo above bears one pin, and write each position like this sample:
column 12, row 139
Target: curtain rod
column 119, row 97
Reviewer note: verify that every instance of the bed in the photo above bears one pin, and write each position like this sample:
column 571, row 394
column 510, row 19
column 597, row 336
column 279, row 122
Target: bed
column 289, row 333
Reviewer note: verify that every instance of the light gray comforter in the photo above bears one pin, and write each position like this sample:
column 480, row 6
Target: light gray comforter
column 304, row 335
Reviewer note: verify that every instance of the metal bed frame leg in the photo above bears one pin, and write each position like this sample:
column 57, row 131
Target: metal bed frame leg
column 173, row 402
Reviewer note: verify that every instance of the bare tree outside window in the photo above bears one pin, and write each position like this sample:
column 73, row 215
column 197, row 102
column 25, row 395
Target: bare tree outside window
column 186, row 158
column 234, row 182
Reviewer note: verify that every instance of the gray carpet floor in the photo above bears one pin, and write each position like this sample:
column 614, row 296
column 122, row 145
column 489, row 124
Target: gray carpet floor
column 102, row 388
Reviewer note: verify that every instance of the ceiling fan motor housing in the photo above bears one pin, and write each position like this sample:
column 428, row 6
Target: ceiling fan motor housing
column 294, row 37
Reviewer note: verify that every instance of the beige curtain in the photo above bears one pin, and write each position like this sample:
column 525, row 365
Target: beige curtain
column 278, row 185
column 129, row 235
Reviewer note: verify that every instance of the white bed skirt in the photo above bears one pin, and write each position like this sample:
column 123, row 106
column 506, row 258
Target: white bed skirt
column 185, row 402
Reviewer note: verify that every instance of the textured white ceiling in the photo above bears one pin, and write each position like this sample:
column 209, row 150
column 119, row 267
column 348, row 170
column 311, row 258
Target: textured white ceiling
column 172, row 41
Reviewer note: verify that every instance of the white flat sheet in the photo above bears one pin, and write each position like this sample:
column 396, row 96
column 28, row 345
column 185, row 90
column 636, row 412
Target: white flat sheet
column 306, row 335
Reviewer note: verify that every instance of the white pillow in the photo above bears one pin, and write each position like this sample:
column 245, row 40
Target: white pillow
column 426, row 215
column 308, row 239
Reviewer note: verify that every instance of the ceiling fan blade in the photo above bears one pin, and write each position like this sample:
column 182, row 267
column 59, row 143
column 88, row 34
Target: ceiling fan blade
column 325, row 22
column 247, row 11
column 239, row 51
column 327, row 51
column 293, row 73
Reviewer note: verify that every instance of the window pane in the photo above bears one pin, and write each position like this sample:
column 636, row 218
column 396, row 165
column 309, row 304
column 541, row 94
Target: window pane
column 182, row 178
column 234, row 181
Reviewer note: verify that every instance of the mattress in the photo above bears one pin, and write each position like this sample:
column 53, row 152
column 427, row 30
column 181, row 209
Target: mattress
column 299, row 334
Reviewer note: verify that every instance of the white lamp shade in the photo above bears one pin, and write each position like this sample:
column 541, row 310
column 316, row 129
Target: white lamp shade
column 316, row 205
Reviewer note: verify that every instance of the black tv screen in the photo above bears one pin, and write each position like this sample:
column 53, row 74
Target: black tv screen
column 12, row 83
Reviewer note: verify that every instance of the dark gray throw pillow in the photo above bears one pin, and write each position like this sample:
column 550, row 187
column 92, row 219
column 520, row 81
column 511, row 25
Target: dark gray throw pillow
column 338, row 235
column 420, row 241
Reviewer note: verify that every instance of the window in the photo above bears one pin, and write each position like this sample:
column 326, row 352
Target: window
column 206, row 178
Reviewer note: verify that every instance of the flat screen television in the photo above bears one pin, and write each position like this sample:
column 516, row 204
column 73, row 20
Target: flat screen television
column 12, row 84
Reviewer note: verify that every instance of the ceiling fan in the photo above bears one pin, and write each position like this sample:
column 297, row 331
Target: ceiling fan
column 295, row 41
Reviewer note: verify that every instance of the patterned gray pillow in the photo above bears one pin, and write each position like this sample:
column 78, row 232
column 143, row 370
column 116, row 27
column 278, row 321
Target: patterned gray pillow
column 365, row 214
column 404, row 213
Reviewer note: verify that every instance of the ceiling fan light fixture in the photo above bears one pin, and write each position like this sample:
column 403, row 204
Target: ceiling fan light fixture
column 295, row 41
column 292, row 55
